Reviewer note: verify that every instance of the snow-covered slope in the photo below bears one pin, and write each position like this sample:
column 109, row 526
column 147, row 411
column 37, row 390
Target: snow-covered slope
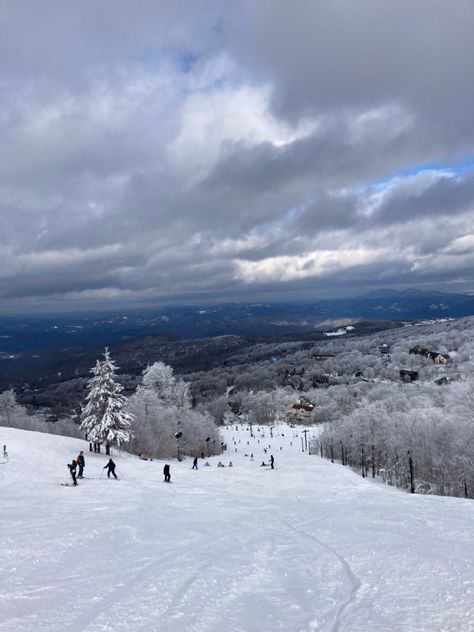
column 308, row 546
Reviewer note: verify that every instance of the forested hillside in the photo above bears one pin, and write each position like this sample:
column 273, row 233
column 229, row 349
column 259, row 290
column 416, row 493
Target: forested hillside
column 393, row 403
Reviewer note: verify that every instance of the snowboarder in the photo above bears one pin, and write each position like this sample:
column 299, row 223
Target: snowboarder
column 166, row 472
column 72, row 469
column 81, row 464
column 272, row 461
column 110, row 469
column 195, row 463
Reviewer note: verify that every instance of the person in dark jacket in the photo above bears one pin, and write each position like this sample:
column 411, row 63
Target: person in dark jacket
column 110, row 469
column 72, row 469
column 81, row 463
column 166, row 472
column 272, row 461
column 195, row 464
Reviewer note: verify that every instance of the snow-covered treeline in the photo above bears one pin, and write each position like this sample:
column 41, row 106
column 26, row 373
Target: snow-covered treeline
column 161, row 408
column 145, row 423
column 393, row 426
column 14, row 415
column 372, row 419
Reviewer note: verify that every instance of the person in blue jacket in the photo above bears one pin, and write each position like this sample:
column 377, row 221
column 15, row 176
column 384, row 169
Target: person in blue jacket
column 110, row 469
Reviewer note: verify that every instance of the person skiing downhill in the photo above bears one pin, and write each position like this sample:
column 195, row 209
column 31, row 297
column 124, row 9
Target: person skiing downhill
column 111, row 469
column 72, row 469
column 81, row 464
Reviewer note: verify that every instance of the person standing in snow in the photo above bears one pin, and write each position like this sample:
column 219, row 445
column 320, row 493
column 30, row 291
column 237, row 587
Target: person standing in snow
column 81, row 464
column 272, row 461
column 72, row 469
column 110, row 469
column 195, row 464
column 166, row 472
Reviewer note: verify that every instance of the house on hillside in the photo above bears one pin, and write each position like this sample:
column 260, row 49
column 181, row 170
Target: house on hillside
column 320, row 357
column 438, row 358
column 408, row 376
column 300, row 412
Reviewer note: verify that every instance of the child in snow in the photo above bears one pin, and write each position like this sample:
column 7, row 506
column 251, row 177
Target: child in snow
column 220, row 464
column 166, row 472
column 195, row 464
column 72, row 469
column 110, row 469
column 81, row 464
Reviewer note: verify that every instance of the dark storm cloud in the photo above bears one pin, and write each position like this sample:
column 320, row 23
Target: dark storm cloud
column 446, row 195
column 337, row 54
column 175, row 151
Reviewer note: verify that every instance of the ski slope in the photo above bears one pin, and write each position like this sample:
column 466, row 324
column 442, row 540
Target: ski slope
column 309, row 546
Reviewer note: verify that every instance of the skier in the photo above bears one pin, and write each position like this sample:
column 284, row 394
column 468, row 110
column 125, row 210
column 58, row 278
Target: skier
column 166, row 472
column 5, row 453
column 111, row 469
column 195, row 463
column 81, row 464
column 272, row 461
column 72, row 469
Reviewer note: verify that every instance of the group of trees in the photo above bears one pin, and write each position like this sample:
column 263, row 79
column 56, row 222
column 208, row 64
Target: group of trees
column 371, row 420
column 156, row 421
column 161, row 410
column 147, row 422
column 423, row 428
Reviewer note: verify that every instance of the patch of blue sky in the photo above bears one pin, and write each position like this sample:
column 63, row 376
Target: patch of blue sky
column 186, row 61
column 459, row 168
column 153, row 58
column 444, row 169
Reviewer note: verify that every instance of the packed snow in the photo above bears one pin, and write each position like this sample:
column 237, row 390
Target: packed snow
column 309, row 546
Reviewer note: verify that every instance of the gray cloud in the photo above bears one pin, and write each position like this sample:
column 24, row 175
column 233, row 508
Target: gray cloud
column 196, row 151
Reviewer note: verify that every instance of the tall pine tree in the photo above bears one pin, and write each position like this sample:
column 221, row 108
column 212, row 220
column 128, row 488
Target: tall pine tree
column 103, row 418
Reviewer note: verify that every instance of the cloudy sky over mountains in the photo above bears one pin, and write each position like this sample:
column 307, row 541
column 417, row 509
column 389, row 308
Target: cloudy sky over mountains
column 159, row 151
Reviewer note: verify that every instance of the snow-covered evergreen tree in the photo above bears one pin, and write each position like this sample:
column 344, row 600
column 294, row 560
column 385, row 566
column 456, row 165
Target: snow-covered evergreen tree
column 103, row 417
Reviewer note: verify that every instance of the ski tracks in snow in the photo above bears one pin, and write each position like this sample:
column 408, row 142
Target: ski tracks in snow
column 353, row 581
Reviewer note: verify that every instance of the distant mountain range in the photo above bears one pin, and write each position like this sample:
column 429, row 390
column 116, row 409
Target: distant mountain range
column 39, row 352
column 19, row 334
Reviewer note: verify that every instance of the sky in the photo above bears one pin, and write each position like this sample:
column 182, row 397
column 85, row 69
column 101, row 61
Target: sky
column 196, row 151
